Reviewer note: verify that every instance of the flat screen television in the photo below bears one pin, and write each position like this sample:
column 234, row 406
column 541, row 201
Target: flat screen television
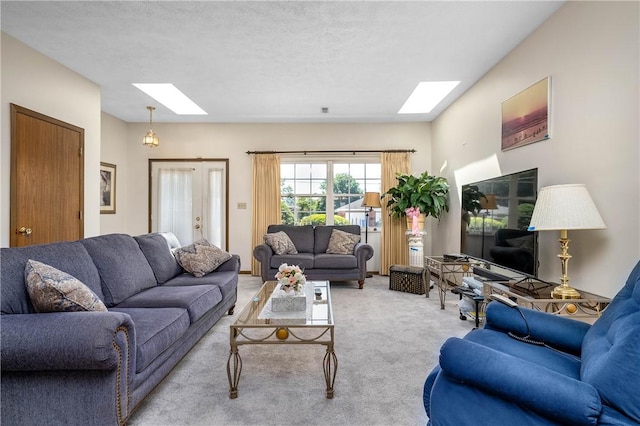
column 495, row 215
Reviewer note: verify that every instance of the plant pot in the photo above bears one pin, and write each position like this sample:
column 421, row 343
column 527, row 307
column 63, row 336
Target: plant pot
column 421, row 218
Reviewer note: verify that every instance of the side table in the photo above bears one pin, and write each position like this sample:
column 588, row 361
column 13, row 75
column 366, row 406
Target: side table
column 447, row 274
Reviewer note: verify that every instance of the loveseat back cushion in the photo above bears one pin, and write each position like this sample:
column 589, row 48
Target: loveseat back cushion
column 323, row 235
column 70, row 257
column 301, row 236
column 124, row 271
column 610, row 350
column 155, row 248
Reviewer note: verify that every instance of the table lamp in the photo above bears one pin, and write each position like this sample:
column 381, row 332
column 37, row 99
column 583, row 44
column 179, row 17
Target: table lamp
column 563, row 208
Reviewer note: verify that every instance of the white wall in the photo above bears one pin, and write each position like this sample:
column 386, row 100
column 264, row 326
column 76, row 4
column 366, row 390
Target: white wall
column 113, row 150
column 34, row 81
column 591, row 51
column 232, row 141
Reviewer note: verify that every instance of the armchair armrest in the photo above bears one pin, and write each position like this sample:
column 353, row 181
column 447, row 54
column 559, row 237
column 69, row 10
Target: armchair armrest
column 559, row 332
column 363, row 252
column 66, row 341
column 531, row 386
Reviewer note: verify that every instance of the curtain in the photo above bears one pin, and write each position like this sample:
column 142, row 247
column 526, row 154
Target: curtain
column 394, row 247
column 174, row 203
column 265, row 199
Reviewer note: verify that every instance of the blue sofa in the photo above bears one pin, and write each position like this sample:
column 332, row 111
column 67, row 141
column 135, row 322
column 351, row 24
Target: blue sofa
column 311, row 243
column 94, row 368
column 583, row 375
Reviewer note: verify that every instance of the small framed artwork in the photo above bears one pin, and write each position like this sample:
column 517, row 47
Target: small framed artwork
column 525, row 116
column 107, row 188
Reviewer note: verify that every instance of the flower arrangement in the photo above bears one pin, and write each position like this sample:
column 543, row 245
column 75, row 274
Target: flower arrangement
column 291, row 277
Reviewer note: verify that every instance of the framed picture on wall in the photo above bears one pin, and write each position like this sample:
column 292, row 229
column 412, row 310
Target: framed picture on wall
column 107, row 188
column 525, row 116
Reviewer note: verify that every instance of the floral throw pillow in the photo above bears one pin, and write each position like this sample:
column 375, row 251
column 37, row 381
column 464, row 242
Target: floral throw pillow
column 342, row 242
column 280, row 243
column 52, row 290
column 201, row 257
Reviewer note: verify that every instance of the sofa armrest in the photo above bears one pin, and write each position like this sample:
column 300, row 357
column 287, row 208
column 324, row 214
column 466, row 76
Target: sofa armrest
column 66, row 341
column 363, row 252
column 531, row 386
column 262, row 253
column 232, row 264
column 560, row 332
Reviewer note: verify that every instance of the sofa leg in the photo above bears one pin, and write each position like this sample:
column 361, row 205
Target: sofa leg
column 231, row 309
column 360, row 284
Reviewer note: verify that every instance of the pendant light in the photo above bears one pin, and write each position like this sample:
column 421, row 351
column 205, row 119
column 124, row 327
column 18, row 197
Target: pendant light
column 150, row 139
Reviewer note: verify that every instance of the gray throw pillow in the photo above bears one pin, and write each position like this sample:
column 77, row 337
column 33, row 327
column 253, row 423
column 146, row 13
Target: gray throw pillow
column 342, row 242
column 201, row 257
column 52, row 290
column 280, row 243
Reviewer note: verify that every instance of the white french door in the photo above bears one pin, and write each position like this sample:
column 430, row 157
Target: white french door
column 189, row 198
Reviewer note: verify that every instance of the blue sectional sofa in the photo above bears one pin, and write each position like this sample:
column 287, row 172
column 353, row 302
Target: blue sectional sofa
column 311, row 243
column 94, row 368
column 581, row 374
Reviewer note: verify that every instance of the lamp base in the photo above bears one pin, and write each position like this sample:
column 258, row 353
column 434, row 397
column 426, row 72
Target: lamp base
column 565, row 292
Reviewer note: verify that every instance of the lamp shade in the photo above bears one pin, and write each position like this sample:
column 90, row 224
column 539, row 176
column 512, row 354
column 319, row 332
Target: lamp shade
column 564, row 207
column 488, row 202
column 371, row 199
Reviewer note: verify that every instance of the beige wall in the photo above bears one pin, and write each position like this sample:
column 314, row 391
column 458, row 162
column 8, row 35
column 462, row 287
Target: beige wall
column 34, row 81
column 590, row 50
column 232, row 141
column 113, row 150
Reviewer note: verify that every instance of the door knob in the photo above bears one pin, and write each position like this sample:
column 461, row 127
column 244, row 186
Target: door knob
column 24, row 231
column 197, row 226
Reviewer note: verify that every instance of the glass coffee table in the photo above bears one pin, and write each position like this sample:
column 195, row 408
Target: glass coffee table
column 258, row 325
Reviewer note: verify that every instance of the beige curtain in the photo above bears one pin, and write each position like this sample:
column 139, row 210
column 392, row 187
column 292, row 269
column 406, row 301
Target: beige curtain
column 394, row 247
column 265, row 199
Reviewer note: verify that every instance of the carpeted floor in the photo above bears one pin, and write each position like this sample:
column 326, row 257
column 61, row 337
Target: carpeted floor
column 386, row 344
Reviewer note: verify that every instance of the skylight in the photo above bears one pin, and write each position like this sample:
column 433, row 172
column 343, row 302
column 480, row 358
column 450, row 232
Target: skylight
column 168, row 95
column 426, row 96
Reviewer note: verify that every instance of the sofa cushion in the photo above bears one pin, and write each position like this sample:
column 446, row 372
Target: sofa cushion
column 610, row 350
column 335, row 261
column 52, row 290
column 71, row 257
column 280, row 243
column 196, row 299
column 322, row 235
column 227, row 281
column 201, row 257
column 157, row 329
column 156, row 249
column 303, row 260
column 302, row 236
column 124, row 270
column 342, row 242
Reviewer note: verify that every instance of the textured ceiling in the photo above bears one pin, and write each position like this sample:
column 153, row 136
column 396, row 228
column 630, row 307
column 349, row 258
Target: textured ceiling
column 273, row 61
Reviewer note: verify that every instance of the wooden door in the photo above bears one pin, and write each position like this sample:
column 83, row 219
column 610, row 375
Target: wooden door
column 47, row 179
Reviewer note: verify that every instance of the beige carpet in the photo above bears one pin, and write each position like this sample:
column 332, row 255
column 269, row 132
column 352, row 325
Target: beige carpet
column 386, row 344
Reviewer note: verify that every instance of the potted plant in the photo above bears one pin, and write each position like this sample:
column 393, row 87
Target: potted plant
column 429, row 194
column 470, row 202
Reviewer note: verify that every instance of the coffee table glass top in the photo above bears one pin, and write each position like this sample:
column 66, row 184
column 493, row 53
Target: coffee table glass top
column 319, row 313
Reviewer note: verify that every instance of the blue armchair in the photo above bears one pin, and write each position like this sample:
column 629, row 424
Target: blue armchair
column 581, row 375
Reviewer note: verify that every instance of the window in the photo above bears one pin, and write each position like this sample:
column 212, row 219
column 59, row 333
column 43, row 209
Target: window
column 328, row 192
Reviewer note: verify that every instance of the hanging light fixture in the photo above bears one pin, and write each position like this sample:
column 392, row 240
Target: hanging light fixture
column 150, row 139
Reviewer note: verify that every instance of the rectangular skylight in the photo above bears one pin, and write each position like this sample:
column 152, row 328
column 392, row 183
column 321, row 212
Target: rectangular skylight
column 168, row 95
column 426, row 96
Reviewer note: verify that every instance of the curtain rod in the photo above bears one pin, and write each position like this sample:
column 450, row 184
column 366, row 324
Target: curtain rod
column 345, row 151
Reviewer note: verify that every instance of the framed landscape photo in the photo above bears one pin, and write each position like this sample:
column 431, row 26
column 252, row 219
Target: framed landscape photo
column 525, row 116
column 107, row 188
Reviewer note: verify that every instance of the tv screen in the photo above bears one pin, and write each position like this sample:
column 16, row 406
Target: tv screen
column 495, row 215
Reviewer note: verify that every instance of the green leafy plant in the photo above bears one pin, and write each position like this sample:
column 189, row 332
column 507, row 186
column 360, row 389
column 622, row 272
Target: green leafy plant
column 428, row 193
column 470, row 202
column 321, row 219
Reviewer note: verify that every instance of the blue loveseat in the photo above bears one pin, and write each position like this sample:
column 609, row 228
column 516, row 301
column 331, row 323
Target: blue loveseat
column 583, row 375
column 94, row 368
